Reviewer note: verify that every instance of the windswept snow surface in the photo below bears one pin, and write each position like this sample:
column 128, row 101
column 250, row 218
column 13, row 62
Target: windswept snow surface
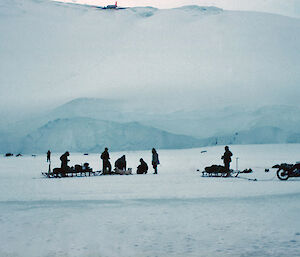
column 174, row 213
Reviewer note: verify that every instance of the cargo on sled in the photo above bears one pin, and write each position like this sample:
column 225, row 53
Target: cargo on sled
column 76, row 171
column 216, row 171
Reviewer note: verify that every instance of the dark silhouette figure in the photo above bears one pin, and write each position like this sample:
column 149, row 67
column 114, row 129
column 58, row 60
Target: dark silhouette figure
column 64, row 161
column 227, row 159
column 48, row 156
column 105, row 161
column 142, row 168
column 121, row 163
column 155, row 160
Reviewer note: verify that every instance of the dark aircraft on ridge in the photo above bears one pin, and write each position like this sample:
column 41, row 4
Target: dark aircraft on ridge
column 110, row 7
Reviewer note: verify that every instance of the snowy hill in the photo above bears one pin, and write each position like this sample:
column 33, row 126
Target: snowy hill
column 201, row 56
column 89, row 135
column 283, row 7
column 89, row 124
column 217, row 122
column 175, row 70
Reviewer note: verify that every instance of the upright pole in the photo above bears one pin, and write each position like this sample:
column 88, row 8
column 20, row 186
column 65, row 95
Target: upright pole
column 237, row 164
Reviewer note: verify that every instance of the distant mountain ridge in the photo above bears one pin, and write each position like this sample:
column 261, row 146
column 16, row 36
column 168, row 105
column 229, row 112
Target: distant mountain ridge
column 89, row 124
column 90, row 135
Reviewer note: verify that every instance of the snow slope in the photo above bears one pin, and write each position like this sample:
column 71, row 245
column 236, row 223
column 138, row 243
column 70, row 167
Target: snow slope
column 55, row 52
column 176, row 213
column 283, row 7
column 89, row 135
column 200, row 58
column 90, row 124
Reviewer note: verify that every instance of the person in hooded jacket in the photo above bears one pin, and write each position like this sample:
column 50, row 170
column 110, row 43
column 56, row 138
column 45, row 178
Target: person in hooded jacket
column 64, row 160
column 49, row 156
column 64, row 163
column 155, row 160
column 105, row 161
column 142, row 168
column 227, row 159
column 121, row 163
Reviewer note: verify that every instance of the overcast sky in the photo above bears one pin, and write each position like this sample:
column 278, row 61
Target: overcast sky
column 284, row 7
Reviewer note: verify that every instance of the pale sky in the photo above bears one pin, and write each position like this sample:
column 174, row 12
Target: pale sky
column 284, row 7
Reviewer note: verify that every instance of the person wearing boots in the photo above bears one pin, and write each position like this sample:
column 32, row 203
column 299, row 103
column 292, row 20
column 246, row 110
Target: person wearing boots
column 64, row 163
column 105, row 161
column 227, row 159
column 155, row 160
column 49, row 156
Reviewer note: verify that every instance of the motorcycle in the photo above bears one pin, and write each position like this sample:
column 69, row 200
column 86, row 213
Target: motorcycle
column 286, row 170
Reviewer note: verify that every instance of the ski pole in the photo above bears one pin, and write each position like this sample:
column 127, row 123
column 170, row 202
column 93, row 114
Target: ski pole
column 237, row 166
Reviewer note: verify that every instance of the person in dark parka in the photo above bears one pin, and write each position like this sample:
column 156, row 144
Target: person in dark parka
column 48, row 156
column 64, row 161
column 155, row 160
column 142, row 168
column 121, row 163
column 105, row 161
column 227, row 159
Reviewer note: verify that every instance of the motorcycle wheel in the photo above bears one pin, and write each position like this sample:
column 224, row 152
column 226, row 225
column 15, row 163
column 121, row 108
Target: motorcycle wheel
column 282, row 174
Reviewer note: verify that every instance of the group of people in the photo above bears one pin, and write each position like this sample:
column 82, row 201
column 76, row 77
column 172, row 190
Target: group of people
column 141, row 169
column 106, row 165
column 121, row 163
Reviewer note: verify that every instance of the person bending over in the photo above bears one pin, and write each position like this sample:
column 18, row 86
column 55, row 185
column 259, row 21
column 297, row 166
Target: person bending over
column 142, row 168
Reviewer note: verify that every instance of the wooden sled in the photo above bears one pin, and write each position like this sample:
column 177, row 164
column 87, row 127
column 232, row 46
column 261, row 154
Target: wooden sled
column 77, row 171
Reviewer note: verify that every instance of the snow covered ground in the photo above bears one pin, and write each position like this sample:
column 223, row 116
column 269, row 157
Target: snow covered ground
column 176, row 213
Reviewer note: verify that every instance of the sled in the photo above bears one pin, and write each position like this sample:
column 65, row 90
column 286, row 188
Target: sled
column 117, row 171
column 77, row 171
column 219, row 171
column 71, row 174
column 216, row 171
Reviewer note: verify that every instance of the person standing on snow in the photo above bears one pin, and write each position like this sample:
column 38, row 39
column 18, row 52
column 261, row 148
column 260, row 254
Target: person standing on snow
column 48, row 156
column 155, row 160
column 227, row 159
column 105, row 161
